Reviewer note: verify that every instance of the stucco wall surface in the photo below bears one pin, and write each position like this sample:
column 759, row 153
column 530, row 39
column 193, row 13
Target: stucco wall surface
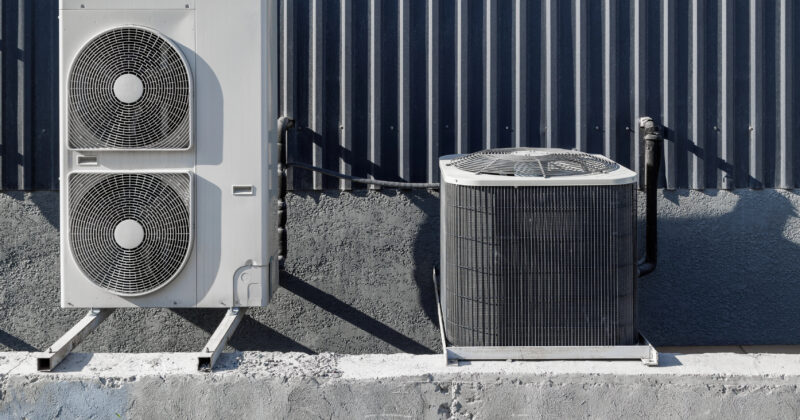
column 358, row 278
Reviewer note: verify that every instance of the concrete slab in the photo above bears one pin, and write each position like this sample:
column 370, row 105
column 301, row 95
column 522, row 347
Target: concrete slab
column 296, row 385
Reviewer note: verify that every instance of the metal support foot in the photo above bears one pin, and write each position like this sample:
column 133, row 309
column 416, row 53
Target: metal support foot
column 48, row 360
column 652, row 358
column 454, row 354
column 216, row 344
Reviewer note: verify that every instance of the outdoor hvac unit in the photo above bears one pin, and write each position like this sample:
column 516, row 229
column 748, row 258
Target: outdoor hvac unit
column 168, row 153
column 539, row 256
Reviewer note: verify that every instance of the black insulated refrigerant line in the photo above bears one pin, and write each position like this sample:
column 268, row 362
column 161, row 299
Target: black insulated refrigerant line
column 284, row 124
column 653, row 144
column 368, row 181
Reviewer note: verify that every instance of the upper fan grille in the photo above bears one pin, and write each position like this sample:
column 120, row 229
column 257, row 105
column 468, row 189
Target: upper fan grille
column 533, row 162
column 154, row 114
column 159, row 203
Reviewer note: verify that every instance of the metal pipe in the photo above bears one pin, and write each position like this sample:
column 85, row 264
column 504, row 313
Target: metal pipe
column 368, row 181
column 653, row 144
column 284, row 124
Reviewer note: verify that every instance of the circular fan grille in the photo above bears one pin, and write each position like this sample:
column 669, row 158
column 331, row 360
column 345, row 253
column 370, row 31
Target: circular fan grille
column 130, row 88
column 533, row 162
column 102, row 203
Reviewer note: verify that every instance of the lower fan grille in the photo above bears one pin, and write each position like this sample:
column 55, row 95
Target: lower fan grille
column 539, row 266
column 130, row 233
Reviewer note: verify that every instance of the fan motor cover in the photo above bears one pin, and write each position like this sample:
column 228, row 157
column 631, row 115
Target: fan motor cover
column 130, row 233
column 528, row 260
column 130, row 88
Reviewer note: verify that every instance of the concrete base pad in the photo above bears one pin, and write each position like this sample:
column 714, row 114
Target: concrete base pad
column 294, row 385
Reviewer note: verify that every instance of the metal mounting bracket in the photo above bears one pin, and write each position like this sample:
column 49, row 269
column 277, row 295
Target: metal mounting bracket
column 453, row 354
column 48, row 360
column 216, row 344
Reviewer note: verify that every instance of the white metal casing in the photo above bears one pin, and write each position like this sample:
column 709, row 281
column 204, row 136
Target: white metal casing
column 453, row 175
column 231, row 48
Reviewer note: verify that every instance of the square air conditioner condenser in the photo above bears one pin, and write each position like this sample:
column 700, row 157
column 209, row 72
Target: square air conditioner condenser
column 168, row 153
column 538, row 249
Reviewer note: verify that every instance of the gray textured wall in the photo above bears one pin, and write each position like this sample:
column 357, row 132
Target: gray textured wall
column 359, row 277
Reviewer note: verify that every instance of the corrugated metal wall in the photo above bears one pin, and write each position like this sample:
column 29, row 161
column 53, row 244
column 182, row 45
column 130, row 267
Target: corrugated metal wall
column 384, row 87
column 29, row 84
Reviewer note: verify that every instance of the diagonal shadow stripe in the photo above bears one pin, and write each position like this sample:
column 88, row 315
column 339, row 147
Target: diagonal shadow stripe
column 251, row 335
column 352, row 315
column 14, row 343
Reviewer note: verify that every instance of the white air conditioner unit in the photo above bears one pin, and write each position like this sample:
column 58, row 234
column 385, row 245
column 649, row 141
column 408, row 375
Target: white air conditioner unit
column 168, row 153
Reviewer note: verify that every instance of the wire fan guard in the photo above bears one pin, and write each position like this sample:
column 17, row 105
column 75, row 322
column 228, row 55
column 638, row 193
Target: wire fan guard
column 156, row 114
column 159, row 203
column 533, row 162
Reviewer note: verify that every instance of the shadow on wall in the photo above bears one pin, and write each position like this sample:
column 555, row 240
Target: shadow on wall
column 426, row 253
column 14, row 343
column 358, row 278
column 727, row 270
column 358, row 319
column 251, row 335
column 727, row 275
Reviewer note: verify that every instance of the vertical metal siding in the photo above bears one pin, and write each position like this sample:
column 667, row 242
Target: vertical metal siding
column 576, row 74
column 29, row 86
column 382, row 88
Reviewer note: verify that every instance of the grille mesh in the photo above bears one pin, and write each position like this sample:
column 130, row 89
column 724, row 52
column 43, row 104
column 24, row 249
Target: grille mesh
column 533, row 162
column 539, row 266
column 160, row 203
column 160, row 119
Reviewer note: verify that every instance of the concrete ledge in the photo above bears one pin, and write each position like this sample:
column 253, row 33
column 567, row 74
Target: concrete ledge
column 293, row 385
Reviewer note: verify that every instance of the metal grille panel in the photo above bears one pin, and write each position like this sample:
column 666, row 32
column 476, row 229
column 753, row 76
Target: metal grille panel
column 528, row 161
column 159, row 119
column 160, row 203
column 540, row 266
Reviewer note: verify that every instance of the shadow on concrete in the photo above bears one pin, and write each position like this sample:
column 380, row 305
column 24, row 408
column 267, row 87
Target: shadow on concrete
column 255, row 336
column 75, row 362
column 426, row 252
column 668, row 360
column 352, row 315
column 14, row 343
column 724, row 280
column 251, row 335
column 48, row 206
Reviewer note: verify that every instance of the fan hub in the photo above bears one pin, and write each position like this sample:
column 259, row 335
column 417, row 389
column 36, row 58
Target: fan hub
column 129, row 234
column 128, row 88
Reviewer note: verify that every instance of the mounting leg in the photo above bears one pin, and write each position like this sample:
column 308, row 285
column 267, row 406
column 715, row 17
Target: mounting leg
column 652, row 358
column 441, row 319
column 48, row 360
column 208, row 357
